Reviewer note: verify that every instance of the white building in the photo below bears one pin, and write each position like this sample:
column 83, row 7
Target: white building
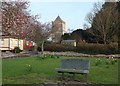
column 69, row 42
column 9, row 43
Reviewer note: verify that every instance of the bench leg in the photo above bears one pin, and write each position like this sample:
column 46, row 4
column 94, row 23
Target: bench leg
column 73, row 76
column 62, row 76
column 86, row 75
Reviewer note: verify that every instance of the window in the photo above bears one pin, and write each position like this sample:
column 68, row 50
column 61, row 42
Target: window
column 2, row 41
column 16, row 42
column 19, row 42
column 11, row 41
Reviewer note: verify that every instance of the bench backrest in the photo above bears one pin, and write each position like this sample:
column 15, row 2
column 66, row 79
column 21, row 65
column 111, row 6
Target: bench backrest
column 75, row 64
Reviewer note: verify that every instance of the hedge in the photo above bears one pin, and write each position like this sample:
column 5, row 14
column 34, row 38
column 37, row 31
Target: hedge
column 83, row 48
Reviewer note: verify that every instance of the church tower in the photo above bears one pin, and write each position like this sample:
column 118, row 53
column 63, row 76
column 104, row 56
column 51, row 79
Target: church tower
column 58, row 29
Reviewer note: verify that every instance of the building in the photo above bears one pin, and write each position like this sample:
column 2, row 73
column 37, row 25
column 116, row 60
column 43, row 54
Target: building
column 9, row 43
column 58, row 29
column 69, row 42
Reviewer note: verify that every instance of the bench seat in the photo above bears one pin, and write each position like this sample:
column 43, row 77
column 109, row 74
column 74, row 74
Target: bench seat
column 61, row 70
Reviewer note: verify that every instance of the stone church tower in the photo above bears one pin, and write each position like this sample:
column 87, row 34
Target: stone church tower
column 58, row 29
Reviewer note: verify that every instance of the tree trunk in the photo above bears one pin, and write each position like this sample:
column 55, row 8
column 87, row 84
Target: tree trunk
column 118, row 8
column 35, row 49
column 104, row 39
column 119, row 43
column 118, row 38
column 42, row 48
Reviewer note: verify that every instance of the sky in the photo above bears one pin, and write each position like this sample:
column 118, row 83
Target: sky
column 73, row 13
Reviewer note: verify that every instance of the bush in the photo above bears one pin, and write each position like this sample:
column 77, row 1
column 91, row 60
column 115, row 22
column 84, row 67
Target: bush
column 97, row 48
column 31, row 48
column 87, row 48
column 39, row 48
column 16, row 50
column 56, row 48
column 59, row 48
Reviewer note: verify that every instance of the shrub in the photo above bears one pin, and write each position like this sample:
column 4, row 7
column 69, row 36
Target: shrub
column 88, row 48
column 54, row 47
column 58, row 56
column 52, row 56
column 96, row 48
column 31, row 48
column 39, row 48
column 16, row 50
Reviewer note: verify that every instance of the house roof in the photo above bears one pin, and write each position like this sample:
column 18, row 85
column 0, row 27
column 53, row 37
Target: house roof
column 3, row 36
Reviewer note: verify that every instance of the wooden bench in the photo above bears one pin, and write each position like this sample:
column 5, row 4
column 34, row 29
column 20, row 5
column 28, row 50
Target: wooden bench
column 74, row 66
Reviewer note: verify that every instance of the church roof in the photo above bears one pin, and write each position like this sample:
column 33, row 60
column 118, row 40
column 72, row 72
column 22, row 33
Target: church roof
column 59, row 19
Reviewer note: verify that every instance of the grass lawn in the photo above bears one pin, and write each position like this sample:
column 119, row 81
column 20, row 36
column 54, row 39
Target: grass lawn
column 35, row 70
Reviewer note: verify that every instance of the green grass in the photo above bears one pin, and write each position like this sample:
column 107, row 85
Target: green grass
column 17, row 71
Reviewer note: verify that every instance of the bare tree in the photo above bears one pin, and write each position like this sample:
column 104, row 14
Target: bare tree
column 102, row 20
column 42, row 33
column 86, row 26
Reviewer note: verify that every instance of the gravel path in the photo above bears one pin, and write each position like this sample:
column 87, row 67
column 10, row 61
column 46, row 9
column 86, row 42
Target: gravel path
column 8, row 54
column 81, row 54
